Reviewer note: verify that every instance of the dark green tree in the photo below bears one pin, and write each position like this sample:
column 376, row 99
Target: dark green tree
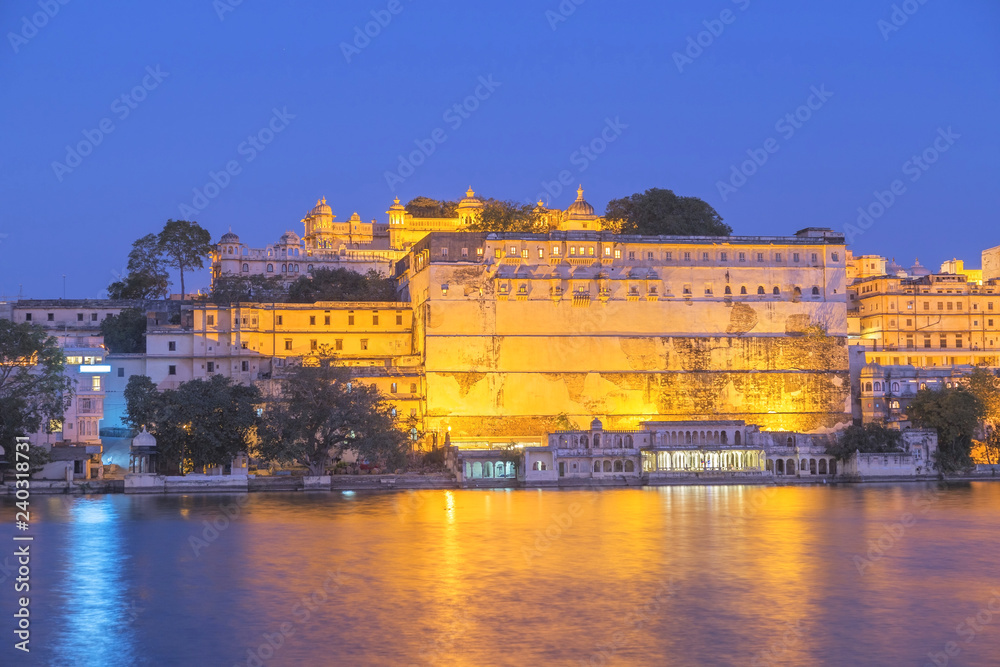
column 251, row 289
column 319, row 412
column 872, row 438
column 143, row 403
column 147, row 277
column 657, row 212
column 341, row 285
column 955, row 414
column 425, row 207
column 33, row 388
column 125, row 333
column 185, row 245
column 508, row 216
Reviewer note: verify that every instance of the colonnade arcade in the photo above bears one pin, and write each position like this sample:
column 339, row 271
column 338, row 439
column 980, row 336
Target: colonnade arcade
column 697, row 460
column 802, row 466
column 490, row 469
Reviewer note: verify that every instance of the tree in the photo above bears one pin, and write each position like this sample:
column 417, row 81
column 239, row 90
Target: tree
column 125, row 333
column 319, row 413
column 657, row 212
column 341, row 285
column 955, row 414
column 185, row 245
column 425, row 207
column 991, row 445
column 201, row 423
column 147, row 272
column 142, row 403
column 251, row 289
column 33, row 389
column 985, row 386
column 508, row 216
column 872, row 438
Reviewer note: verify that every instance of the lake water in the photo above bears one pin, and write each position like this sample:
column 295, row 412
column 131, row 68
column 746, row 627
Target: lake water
column 840, row 575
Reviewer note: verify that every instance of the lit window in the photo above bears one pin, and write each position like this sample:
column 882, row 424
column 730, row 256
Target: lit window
column 555, row 251
column 524, row 254
column 572, row 250
column 590, row 251
column 497, row 253
column 95, row 382
column 607, row 251
column 541, row 253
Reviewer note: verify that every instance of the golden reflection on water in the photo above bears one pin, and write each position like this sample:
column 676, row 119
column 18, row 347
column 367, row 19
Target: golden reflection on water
column 675, row 575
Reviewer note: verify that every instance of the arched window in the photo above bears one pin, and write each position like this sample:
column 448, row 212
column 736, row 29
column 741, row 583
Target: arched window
column 629, row 466
column 878, row 386
column 393, row 412
column 628, row 442
column 760, row 289
column 246, row 268
column 729, row 292
column 868, row 386
column 597, row 440
column 725, row 438
column 789, row 442
column 743, row 289
column 584, row 442
column 284, row 268
column 270, row 268
column 597, row 466
column 797, row 291
column 815, row 291
column 736, row 438
column 607, row 466
column 619, row 466
column 895, row 387
column 776, row 291
column 309, row 268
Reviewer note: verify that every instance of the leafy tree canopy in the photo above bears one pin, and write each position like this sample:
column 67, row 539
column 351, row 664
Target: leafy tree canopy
column 125, row 333
column 425, row 207
column 955, row 414
column 658, row 212
column 341, row 285
column 318, row 413
column 184, row 245
column 33, row 388
column 508, row 216
column 872, row 438
column 251, row 289
column 147, row 276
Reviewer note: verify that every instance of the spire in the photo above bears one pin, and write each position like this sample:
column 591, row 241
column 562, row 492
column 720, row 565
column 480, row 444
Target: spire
column 579, row 193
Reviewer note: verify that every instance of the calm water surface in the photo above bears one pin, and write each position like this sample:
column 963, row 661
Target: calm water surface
column 686, row 576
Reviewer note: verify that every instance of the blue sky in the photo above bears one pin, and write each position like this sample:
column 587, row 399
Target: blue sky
column 601, row 75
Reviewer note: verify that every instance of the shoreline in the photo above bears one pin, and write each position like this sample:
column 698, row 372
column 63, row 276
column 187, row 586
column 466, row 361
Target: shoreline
column 447, row 483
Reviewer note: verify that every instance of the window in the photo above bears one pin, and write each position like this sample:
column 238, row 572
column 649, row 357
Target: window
column 687, row 257
column 364, row 343
column 958, row 305
column 444, row 252
column 795, row 256
column 246, row 268
column 724, row 256
column 989, row 323
column 927, row 341
column 392, row 412
column 497, row 252
column 394, row 388
column 687, row 290
column 940, row 305
column 95, row 382
column 555, row 251
column 326, row 320
column 618, row 253
column 704, row 256
column 541, row 253
column 172, row 346
column 281, row 320
column 79, row 317
column 27, row 317
column 312, row 320
column 777, row 256
column 944, row 341
column 760, row 289
column 708, row 290
column 338, row 344
column 211, row 320
column 670, row 256
column 513, row 251
column 465, row 252
column 760, row 257
column 927, row 305
column 743, row 257
column 950, row 306
column 572, row 250
column 413, row 387
column 607, row 251
column 51, row 317
column 776, row 291
column 211, row 367
column 121, row 372
column 728, row 291
column 590, row 251
column 958, row 341
column 815, row 258
column 836, row 256
column 743, row 289
column 270, row 268
column 399, row 319
column 288, row 344
column 350, row 319
column 245, row 345
column 244, row 366
column 375, row 319
column 631, row 255
column 313, row 345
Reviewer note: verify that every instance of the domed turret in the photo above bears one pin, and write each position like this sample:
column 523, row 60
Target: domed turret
column 596, row 425
column 322, row 208
column 143, row 439
column 918, row 270
column 468, row 207
column 580, row 209
column 229, row 237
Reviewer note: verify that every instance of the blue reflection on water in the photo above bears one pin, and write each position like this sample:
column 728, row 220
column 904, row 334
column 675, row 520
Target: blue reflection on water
column 96, row 627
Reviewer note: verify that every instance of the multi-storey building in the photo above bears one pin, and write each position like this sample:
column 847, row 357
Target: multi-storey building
column 252, row 342
column 518, row 332
column 935, row 320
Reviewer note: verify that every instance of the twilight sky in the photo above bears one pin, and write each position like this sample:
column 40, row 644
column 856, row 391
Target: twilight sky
column 332, row 114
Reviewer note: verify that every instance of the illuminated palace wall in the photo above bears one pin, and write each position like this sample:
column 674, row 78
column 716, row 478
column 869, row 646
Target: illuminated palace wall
column 518, row 330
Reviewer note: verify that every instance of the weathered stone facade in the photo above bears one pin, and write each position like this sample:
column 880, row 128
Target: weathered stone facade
column 521, row 334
